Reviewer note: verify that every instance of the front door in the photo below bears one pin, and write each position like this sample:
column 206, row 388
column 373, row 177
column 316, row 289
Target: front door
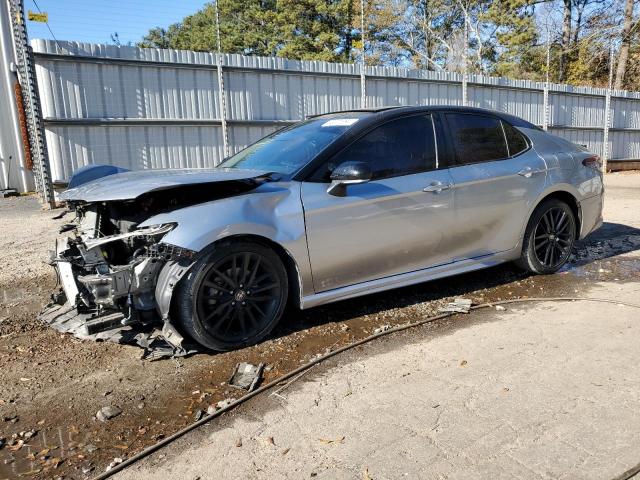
column 389, row 225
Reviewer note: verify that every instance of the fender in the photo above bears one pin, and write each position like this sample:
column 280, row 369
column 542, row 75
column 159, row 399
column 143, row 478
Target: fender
column 273, row 211
column 554, row 188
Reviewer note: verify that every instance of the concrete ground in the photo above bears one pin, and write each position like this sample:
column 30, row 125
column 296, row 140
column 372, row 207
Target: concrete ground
column 538, row 391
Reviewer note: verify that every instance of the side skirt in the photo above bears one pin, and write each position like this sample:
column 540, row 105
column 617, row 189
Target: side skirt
column 406, row 279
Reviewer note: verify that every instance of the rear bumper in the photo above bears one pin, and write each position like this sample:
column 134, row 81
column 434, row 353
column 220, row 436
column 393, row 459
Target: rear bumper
column 591, row 212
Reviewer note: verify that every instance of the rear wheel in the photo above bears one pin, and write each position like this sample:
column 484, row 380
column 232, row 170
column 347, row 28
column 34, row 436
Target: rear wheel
column 549, row 238
column 232, row 297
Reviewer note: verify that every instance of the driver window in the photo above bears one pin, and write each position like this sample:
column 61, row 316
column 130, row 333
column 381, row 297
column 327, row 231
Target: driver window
column 400, row 147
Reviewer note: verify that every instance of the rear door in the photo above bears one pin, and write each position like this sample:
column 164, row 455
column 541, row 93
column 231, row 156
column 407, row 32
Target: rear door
column 389, row 225
column 497, row 177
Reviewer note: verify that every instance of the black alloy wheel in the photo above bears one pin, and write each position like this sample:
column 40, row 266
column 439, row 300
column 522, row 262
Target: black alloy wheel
column 549, row 238
column 554, row 237
column 234, row 297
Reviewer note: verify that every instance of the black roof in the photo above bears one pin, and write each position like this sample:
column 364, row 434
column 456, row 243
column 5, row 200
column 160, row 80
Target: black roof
column 392, row 111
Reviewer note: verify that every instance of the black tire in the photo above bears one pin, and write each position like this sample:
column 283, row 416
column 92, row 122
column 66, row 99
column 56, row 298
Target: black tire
column 233, row 296
column 549, row 239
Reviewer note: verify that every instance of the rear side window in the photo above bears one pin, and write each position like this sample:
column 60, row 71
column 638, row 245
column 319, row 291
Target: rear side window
column 516, row 141
column 400, row 147
column 476, row 138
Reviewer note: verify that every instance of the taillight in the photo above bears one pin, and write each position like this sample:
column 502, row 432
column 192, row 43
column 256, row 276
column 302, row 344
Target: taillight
column 592, row 162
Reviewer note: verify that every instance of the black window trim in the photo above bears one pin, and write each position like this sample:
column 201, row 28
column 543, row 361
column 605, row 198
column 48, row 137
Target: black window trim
column 380, row 124
column 526, row 140
column 454, row 154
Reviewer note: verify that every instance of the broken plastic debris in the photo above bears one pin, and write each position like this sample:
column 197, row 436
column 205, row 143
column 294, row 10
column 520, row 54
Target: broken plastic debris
column 459, row 305
column 246, row 376
column 381, row 329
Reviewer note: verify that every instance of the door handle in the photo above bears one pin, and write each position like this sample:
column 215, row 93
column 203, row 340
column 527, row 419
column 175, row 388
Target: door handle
column 528, row 172
column 437, row 187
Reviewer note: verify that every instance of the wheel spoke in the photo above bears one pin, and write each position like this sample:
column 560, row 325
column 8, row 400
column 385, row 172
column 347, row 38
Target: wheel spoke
column 547, row 222
column 255, row 305
column 541, row 244
column 245, row 268
column 216, row 310
column 547, row 253
column 226, row 279
column 254, row 272
column 270, row 286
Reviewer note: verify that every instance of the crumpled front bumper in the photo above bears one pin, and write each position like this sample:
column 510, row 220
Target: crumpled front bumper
column 90, row 280
column 126, row 304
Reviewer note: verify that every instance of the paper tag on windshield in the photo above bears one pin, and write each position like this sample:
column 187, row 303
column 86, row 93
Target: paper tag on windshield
column 339, row 122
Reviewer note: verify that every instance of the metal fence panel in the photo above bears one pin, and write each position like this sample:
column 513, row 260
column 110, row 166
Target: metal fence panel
column 152, row 108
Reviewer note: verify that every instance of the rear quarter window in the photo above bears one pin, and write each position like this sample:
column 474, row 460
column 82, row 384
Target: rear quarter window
column 516, row 141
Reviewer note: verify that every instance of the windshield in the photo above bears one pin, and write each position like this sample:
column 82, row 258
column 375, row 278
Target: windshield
column 288, row 150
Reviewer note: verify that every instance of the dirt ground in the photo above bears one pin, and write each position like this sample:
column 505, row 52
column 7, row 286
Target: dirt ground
column 53, row 384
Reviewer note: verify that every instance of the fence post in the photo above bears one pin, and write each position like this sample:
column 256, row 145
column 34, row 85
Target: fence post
column 607, row 116
column 363, row 79
column 545, row 96
column 221, row 92
column 32, row 107
column 465, row 61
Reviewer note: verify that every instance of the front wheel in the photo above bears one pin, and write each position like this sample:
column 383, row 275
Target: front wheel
column 549, row 238
column 232, row 297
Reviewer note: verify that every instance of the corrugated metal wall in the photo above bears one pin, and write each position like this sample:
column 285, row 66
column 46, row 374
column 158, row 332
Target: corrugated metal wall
column 150, row 108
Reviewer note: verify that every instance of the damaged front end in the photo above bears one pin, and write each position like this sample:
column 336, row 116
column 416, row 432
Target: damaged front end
column 116, row 271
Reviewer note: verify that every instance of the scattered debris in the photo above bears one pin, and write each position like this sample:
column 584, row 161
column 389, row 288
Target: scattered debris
column 459, row 305
column 90, row 448
column 381, row 329
column 500, row 308
column 116, row 461
column 198, row 415
column 108, row 412
column 9, row 192
column 219, row 406
column 157, row 343
column 246, row 376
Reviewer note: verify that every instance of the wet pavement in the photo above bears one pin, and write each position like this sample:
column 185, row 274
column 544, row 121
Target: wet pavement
column 54, row 385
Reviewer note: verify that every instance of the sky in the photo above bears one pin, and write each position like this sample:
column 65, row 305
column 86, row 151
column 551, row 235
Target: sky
column 94, row 21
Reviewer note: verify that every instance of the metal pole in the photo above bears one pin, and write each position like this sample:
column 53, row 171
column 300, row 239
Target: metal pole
column 545, row 120
column 607, row 116
column 465, row 68
column 363, row 80
column 221, row 93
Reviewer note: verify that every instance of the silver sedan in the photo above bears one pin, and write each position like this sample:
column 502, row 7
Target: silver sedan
column 333, row 207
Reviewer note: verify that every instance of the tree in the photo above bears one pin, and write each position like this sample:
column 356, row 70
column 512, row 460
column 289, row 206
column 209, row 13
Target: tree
column 625, row 45
column 304, row 29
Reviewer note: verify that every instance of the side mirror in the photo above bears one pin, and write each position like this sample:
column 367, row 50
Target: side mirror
column 348, row 173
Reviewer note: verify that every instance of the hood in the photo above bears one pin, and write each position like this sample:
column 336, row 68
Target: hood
column 130, row 185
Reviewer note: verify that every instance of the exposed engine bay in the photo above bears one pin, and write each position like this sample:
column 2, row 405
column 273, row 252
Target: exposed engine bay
column 110, row 266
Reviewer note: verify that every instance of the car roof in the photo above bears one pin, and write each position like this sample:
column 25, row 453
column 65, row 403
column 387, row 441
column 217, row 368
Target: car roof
column 395, row 110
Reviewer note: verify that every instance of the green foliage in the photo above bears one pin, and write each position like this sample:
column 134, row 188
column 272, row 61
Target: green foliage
column 503, row 36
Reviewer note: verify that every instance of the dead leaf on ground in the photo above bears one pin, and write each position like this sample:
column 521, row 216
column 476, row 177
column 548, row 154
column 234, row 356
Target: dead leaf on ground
column 365, row 474
column 329, row 441
column 463, row 363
